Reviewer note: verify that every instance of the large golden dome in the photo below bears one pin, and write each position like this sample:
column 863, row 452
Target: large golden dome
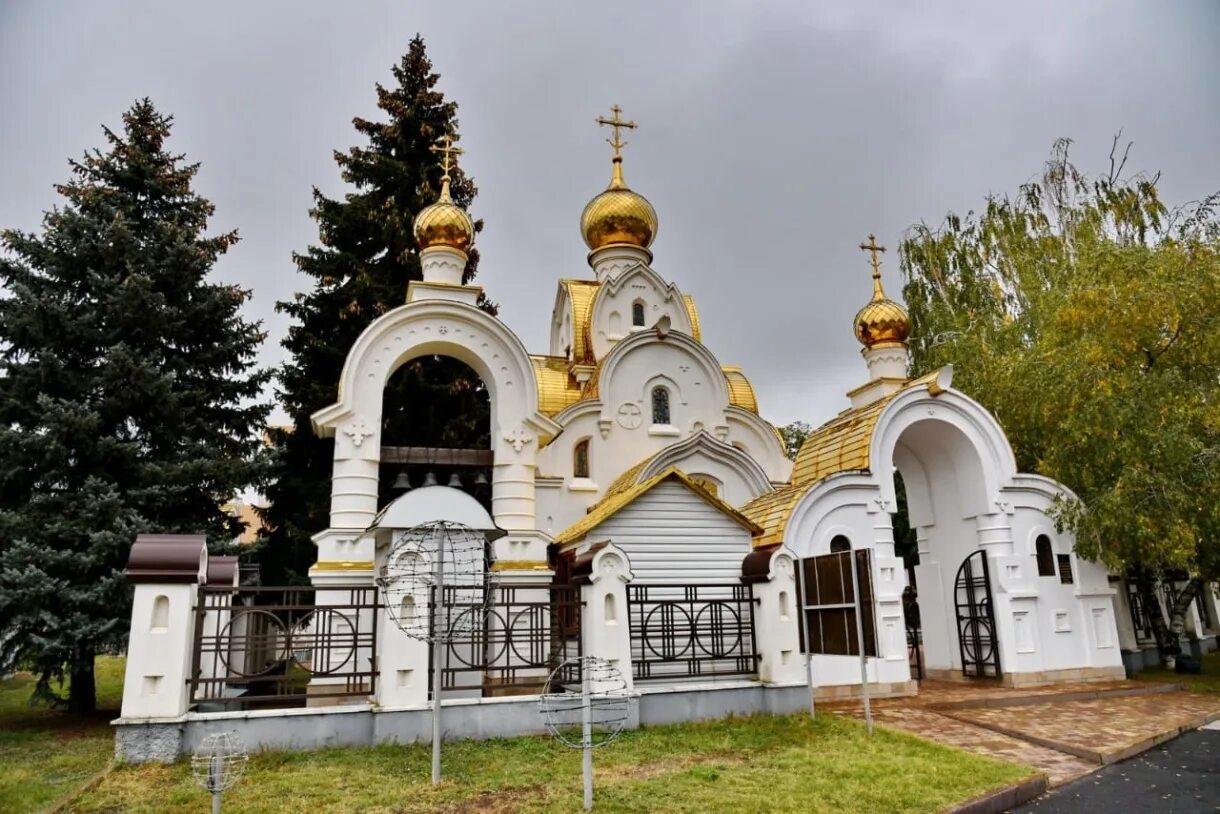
column 882, row 323
column 444, row 223
column 618, row 216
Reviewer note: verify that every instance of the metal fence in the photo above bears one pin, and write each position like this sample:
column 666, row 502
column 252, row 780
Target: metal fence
column 528, row 630
column 261, row 647
column 680, row 631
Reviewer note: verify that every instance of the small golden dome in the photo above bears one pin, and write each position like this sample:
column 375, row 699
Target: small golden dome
column 444, row 223
column 618, row 215
column 882, row 323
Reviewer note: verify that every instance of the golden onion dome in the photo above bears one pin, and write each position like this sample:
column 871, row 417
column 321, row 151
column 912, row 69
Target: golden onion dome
column 444, row 223
column 882, row 322
column 618, row 216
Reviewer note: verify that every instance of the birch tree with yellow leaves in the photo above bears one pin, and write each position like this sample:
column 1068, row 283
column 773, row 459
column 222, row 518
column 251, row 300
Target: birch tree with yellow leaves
column 1085, row 314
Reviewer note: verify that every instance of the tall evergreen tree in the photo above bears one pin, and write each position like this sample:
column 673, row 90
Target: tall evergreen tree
column 359, row 271
column 128, row 400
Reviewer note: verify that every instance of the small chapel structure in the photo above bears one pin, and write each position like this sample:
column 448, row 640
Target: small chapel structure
column 644, row 511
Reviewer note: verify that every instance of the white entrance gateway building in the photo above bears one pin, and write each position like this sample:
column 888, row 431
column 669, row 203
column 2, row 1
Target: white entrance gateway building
column 632, row 467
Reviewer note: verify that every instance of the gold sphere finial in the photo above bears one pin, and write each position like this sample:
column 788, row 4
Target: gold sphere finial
column 618, row 215
column 444, row 223
column 882, row 322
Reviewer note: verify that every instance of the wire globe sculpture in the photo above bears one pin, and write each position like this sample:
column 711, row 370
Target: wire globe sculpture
column 451, row 555
column 219, row 762
column 591, row 683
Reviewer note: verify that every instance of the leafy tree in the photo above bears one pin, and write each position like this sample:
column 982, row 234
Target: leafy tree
column 128, row 401
column 794, row 435
column 366, row 255
column 1082, row 312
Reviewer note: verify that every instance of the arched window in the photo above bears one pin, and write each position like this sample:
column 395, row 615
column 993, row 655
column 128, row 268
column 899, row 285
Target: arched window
column 839, row 544
column 1046, row 557
column 660, row 405
column 580, row 459
column 637, row 314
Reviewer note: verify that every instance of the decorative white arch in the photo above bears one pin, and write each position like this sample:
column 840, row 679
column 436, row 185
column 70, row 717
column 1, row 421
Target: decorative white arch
column 449, row 329
column 719, row 451
column 709, row 367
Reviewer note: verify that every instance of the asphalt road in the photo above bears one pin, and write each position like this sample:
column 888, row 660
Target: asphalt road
column 1181, row 776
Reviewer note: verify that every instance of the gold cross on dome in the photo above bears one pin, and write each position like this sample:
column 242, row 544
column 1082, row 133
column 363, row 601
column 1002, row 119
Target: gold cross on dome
column 444, row 146
column 616, row 141
column 872, row 248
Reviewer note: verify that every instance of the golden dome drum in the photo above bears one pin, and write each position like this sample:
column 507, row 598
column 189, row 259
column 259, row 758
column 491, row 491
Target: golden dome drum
column 444, row 223
column 882, row 323
column 618, row 216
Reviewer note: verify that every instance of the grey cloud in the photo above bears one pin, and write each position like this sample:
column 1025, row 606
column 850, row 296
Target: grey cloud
column 773, row 137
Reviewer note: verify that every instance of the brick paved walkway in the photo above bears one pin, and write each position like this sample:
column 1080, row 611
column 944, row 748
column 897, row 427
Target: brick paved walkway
column 1066, row 730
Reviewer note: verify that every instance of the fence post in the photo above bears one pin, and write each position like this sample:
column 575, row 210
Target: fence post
column 402, row 660
column 603, row 573
column 773, row 575
column 166, row 571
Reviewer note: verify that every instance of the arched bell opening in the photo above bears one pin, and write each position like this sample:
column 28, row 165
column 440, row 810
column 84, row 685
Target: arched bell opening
column 435, row 429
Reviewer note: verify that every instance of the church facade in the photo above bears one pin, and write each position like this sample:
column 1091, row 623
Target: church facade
column 628, row 392
column 628, row 450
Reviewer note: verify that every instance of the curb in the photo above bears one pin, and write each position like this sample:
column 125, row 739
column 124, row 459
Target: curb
column 1000, row 800
column 61, row 805
column 1053, row 698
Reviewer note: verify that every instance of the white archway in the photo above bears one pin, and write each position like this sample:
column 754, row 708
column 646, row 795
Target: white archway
column 447, row 329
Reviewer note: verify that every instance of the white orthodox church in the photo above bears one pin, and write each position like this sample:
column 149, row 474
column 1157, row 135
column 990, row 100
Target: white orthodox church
column 630, row 464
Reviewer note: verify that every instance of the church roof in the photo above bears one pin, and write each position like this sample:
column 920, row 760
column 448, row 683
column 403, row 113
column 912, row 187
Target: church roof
column 581, row 294
column 556, row 387
column 612, row 504
column 840, row 445
column 741, row 392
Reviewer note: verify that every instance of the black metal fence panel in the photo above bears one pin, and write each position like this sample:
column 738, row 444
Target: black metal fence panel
column 688, row 631
column 273, row 647
column 528, row 630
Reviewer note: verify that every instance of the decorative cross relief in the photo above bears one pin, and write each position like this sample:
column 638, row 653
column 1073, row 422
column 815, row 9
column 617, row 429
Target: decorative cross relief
column 629, row 416
column 357, row 431
column 519, row 438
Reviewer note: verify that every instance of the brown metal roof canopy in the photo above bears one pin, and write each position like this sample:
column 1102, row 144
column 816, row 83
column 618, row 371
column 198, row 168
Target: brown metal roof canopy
column 167, row 558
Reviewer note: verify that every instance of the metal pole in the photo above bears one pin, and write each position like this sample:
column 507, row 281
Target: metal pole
column 438, row 653
column 215, row 775
column 855, row 589
column 215, row 802
column 803, row 623
column 586, row 725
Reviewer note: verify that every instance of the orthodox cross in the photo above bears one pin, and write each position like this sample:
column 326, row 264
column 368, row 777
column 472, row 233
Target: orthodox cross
column 444, row 146
column 872, row 248
column 617, row 123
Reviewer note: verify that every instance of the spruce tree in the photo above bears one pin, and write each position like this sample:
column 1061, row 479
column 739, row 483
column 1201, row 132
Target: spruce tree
column 128, row 400
column 366, row 255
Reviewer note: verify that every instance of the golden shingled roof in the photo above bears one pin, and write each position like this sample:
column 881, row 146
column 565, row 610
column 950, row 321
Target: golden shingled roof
column 692, row 312
column 741, row 392
column 612, row 504
column 840, row 445
column 581, row 294
column 556, row 387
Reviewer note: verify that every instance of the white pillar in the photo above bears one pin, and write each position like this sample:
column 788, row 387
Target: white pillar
column 605, row 629
column 166, row 570
column 402, row 660
column 775, row 622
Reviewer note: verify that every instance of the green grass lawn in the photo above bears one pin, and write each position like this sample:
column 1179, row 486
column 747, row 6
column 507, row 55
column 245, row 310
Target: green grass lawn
column 46, row 753
column 1206, row 681
column 754, row 764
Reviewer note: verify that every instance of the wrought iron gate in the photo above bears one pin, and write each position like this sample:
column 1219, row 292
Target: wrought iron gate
column 976, row 629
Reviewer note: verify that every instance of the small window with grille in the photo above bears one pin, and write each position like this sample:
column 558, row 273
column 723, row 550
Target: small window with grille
column 1065, row 569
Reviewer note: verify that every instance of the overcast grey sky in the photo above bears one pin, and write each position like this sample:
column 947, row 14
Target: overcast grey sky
column 773, row 136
